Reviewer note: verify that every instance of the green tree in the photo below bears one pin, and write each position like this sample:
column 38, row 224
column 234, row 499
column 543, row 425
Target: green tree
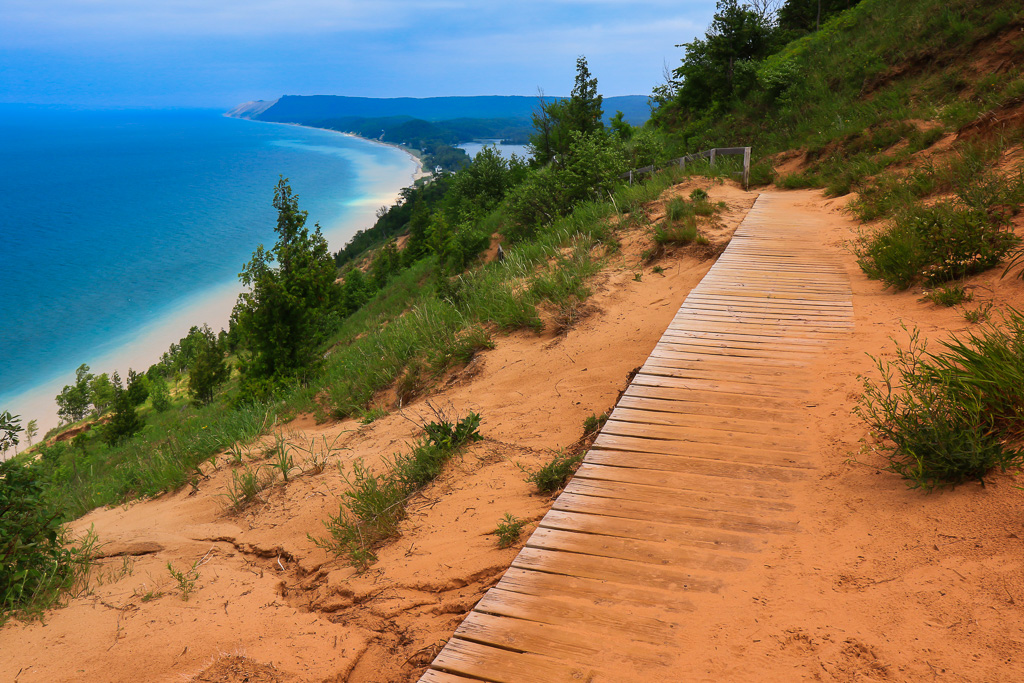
column 208, row 370
column 558, row 119
column 159, row 393
column 137, row 387
column 283, row 316
column 31, row 429
column 73, row 401
column 125, row 421
column 10, row 428
column 101, row 393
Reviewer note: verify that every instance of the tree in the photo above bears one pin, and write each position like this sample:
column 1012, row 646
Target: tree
column 159, row 393
column 208, row 370
column 10, row 428
column 137, row 388
column 291, row 293
column 101, row 393
column 31, row 430
column 73, row 401
column 803, row 16
column 125, row 421
column 558, row 119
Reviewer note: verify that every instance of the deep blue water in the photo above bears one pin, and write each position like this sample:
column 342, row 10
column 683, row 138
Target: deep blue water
column 111, row 219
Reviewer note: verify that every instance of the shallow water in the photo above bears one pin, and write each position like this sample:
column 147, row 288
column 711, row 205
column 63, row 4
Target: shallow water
column 121, row 229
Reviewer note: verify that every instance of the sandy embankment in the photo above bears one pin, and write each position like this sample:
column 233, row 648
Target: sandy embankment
column 882, row 583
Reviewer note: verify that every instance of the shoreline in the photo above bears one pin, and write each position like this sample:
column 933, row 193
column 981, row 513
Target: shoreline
column 141, row 347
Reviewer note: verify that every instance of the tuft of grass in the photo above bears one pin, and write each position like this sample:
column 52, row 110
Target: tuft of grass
column 949, row 296
column 556, row 473
column 374, row 504
column 246, row 486
column 979, row 314
column 373, row 414
column 281, row 458
column 593, row 423
column 943, row 419
column 186, row 579
column 508, row 530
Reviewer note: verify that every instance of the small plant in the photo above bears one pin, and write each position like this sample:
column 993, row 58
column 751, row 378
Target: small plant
column 638, row 276
column 554, row 475
column 508, row 530
column 283, row 460
column 698, row 195
column 246, row 485
column 683, row 232
column 593, row 423
column 951, row 295
column 187, row 579
column 943, row 419
column 373, row 414
column 374, row 503
column 658, row 270
column 979, row 314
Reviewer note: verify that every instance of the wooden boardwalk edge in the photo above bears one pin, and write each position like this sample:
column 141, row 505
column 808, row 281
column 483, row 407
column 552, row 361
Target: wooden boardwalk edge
column 685, row 484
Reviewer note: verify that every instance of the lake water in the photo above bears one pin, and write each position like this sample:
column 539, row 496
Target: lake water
column 472, row 148
column 121, row 229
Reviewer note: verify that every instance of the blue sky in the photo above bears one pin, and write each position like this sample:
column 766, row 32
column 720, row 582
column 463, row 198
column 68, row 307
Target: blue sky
column 218, row 53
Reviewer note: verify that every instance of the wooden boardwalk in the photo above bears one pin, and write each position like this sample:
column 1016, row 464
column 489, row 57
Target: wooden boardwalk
column 687, row 481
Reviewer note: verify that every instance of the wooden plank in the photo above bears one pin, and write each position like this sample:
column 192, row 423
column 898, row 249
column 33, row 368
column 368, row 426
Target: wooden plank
column 678, row 555
column 658, row 495
column 624, row 471
column 625, row 622
column 649, row 413
column 650, row 530
column 648, row 398
column 595, row 591
column 758, row 390
column 434, row 676
column 714, row 400
column 788, row 466
column 500, row 665
column 618, row 571
column 789, row 447
column 568, row 502
column 559, row 641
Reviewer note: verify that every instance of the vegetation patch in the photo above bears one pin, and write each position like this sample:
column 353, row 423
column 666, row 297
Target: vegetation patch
column 556, row 473
column 374, row 504
column 509, row 530
column 950, row 417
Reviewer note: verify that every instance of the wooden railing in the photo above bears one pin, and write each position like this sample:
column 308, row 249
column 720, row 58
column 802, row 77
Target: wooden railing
column 709, row 154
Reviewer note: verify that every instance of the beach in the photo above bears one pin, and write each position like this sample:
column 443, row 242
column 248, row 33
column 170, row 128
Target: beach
column 163, row 322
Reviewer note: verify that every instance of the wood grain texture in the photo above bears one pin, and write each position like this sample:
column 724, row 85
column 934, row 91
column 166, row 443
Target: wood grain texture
column 686, row 483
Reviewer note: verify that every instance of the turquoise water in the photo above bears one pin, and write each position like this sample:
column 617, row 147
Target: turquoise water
column 115, row 224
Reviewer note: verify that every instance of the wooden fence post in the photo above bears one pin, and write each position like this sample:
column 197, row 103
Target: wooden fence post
column 746, row 168
column 711, row 155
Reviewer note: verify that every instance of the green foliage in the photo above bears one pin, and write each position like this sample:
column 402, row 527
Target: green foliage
column 283, row 316
column 943, row 419
column 951, row 295
column 374, row 503
column 208, row 370
column 159, row 394
column 979, row 314
column 125, row 421
column 137, row 387
column 246, row 486
column 558, row 120
column 508, row 530
column 593, row 423
column 186, row 579
column 10, row 429
column 36, row 563
column 101, row 393
column 554, row 475
column 73, row 401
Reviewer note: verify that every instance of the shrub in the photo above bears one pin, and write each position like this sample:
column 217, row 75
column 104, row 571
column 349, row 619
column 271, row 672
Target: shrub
column 374, row 504
column 949, row 296
column 554, row 475
column 508, row 530
column 944, row 419
column 36, row 564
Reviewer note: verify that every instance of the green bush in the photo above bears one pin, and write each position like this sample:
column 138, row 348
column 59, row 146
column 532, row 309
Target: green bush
column 554, row 475
column 943, row 419
column 374, row 503
column 36, row 564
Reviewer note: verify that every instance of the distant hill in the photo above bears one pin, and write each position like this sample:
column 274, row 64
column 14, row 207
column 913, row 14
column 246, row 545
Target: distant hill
column 308, row 109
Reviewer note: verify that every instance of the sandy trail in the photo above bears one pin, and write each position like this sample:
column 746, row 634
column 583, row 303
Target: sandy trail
column 883, row 583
